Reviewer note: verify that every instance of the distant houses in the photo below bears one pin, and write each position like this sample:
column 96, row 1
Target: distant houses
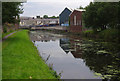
column 29, row 21
column 64, row 17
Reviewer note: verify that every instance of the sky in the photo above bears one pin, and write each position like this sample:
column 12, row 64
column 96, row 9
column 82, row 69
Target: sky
column 32, row 8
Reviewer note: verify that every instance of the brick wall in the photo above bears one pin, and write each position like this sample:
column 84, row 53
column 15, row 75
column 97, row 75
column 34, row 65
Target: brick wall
column 76, row 21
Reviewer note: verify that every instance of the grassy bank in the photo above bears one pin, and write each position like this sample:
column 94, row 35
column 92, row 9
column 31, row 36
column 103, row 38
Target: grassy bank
column 20, row 59
column 111, row 35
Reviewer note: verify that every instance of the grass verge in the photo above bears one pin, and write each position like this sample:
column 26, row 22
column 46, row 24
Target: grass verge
column 20, row 59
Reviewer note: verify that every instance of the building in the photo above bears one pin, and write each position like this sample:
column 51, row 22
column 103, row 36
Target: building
column 64, row 17
column 48, row 21
column 76, row 20
column 28, row 21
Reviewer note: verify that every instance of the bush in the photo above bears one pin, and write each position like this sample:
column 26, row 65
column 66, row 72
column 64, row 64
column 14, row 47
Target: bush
column 88, row 33
column 4, row 29
column 110, row 34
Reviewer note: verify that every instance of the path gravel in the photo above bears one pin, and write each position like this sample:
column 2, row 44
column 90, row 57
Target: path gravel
column 8, row 35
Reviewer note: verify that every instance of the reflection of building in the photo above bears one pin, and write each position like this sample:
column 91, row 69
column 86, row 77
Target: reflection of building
column 77, row 53
column 70, row 46
column 65, row 44
column 44, row 37
column 64, row 17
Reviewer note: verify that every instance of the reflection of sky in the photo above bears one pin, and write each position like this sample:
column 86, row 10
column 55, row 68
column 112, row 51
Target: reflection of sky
column 51, row 7
column 72, row 68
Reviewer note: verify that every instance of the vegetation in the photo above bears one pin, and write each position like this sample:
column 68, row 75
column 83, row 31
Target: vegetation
column 95, row 55
column 10, row 15
column 110, row 35
column 11, row 10
column 20, row 59
column 54, row 17
column 100, row 16
column 46, row 16
column 103, row 19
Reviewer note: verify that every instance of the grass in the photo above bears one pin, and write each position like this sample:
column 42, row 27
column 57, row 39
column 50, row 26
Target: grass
column 20, row 59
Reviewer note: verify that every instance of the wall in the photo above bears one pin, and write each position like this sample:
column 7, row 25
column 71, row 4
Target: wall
column 64, row 16
column 78, row 26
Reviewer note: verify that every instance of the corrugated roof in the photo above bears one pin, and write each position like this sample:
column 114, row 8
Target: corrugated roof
column 69, row 9
column 79, row 9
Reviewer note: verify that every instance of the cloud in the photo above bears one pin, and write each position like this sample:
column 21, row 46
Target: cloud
column 51, row 7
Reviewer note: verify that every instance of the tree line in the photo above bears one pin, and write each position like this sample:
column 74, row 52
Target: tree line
column 102, row 15
column 46, row 16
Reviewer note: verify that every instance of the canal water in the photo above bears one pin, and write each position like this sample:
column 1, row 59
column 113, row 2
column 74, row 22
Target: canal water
column 74, row 57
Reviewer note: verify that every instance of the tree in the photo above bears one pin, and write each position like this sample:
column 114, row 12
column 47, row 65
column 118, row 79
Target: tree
column 38, row 16
column 81, row 7
column 90, row 16
column 45, row 16
column 101, row 15
column 54, row 17
column 11, row 10
column 119, row 15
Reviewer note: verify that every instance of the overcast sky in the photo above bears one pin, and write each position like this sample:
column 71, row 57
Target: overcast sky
column 50, row 7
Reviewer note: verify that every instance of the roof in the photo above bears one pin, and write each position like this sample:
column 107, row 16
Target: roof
column 80, row 10
column 68, row 9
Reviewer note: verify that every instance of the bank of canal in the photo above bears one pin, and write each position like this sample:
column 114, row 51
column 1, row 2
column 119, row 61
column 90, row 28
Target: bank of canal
column 21, row 60
column 74, row 57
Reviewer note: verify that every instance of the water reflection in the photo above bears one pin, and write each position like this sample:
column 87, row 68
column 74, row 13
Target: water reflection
column 78, row 58
column 70, row 46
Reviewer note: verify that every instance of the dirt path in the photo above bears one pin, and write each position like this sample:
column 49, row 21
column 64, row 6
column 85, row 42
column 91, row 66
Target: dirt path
column 8, row 35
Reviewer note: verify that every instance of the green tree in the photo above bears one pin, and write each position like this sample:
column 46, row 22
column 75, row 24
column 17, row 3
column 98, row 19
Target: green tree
column 53, row 17
column 81, row 7
column 101, row 15
column 11, row 10
column 38, row 17
column 119, row 15
column 45, row 16
column 90, row 16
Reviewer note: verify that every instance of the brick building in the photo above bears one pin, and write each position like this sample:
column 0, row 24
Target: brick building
column 76, row 20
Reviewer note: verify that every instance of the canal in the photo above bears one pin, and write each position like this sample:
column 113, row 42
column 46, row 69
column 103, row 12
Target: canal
column 75, row 57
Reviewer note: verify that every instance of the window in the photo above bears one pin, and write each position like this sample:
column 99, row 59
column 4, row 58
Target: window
column 80, row 22
column 74, row 20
